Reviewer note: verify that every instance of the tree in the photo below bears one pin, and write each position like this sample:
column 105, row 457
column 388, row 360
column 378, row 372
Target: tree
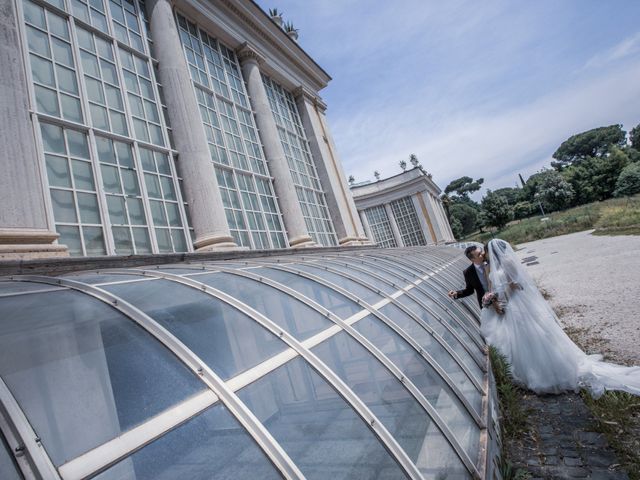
column 466, row 215
column 463, row 186
column 456, row 228
column 523, row 210
column 513, row 195
column 595, row 178
column 592, row 143
column 634, row 137
column 553, row 191
column 497, row 210
column 403, row 165
column 629, row 181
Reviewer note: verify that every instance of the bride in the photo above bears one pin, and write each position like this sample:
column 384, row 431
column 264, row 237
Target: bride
column 522, row 326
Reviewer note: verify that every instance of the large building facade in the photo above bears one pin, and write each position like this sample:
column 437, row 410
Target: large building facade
column 137, row 127
column 404, row 210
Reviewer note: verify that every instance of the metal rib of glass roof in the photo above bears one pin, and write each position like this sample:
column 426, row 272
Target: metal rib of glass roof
column 326, row 365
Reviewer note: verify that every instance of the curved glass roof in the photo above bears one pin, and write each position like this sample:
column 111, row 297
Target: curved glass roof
column 333, row 365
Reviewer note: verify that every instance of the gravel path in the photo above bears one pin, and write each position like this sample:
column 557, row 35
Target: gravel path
column 594, row 284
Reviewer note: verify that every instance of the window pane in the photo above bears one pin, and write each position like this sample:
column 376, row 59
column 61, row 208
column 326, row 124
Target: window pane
column 129, row 181
column 99, row 117
column 94, row 90
column 52, row 139
column 88, row 205
column 42, row 71
column 227, row 340
column 179, row 243
column 122, row 240
column 163, row 237
column 157, row 213
column 306, row 416
column 110, row 179
column 97, row 381
column 117, row 212
column 70, row 236
column 136, row 212
column 38, row 41
column 47, row 101
column 153, row 186
column 105, row 150
column 93, row 240
column 77, row 143
column 64, row 209
column 34, row 14
column 58, row 171
column 141, row 239
column 167, row 188
column 62, row 52
column 58, row 25
column 114, row 99
column 212, row 446
column 71, row 108
column 82, row 175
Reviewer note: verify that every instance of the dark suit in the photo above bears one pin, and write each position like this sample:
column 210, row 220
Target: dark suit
column 472, row 283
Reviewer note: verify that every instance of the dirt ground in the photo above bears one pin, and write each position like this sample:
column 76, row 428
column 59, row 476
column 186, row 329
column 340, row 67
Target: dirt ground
column 593, row 283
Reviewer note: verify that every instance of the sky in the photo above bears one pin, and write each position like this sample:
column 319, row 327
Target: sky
column 479, row 88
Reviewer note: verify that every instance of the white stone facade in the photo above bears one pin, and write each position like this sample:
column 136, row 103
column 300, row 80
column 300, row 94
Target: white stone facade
column 403, row 210
column 137, row 127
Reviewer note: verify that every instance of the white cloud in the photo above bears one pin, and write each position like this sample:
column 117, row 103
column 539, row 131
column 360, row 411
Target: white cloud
column 628, row 46
column 520, row 139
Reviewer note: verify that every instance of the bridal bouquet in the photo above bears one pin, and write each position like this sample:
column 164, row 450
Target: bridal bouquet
column 491, row 298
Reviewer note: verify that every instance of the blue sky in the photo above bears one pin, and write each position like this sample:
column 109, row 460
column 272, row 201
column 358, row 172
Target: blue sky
column 479, row 88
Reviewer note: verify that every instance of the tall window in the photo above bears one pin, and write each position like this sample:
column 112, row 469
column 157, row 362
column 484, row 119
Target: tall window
column 111, row 178
column 380, row 226
column 240, row 167
column 405, row 214
column 303, row 171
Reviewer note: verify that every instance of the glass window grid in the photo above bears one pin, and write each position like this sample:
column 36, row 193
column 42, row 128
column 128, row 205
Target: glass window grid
column 163, row 196
column 303, row 172
column 72, row 179
column 121, row 184
column 102, row 85
column 380, row 226
column 126, row 24
column 74, row 30
column 53, row 66
column 404, row 212
column 233, row 139
column 91, row 12
column 141, row 98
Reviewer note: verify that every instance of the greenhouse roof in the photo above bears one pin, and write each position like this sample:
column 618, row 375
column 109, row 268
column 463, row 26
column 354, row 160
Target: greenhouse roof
column 332, row 364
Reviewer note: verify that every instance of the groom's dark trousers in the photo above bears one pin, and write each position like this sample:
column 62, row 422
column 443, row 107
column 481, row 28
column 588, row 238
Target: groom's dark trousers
column 472, row 283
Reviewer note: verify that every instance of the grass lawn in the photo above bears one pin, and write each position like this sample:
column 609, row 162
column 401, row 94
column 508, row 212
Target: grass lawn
column 617, row 216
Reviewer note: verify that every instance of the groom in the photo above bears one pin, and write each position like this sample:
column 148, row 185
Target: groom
column 475, row 275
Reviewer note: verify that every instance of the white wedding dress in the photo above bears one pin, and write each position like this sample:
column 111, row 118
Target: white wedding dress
column 542, row 357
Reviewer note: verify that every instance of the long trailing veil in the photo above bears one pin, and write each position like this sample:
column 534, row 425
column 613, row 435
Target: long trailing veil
column 510, row 281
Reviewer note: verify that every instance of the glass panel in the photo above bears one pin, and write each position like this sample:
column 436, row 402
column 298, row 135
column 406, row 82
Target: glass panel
column 136, row 212
column 315, row 426
column 179, row 243
column 53, row 139
column 292, row 315
column 153, row 186
column 47, row 101
column 366, row 294
column 70, row 108
column 122, row 240
column 394, row 406
column 63, row 208
column 211, row 446
column 67, row 80
column 328, row 298
column 82, row 175
column 70, row 236
column 58, row 171
column 110, row 179
column 141, row 239
column 227, row 340
column 173, row 214
column 88, row 205
column 42, row 71
column 8, row 468
column 77, row 142
column 34, row 14
column 157, row 213
column 62, row 52
column 129, row 181
column 97, row 381
column 163, row 237
column 93, row 241
column 426, row 379
column 117, row 212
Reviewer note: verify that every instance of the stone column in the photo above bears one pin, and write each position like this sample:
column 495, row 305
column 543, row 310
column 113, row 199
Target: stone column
column 194, row 163
column 24, row 227
column 433, row 216
column 342, row 208
column 423, row 218
column 365, row 225
column 442, row 219
column 394, row 225
column 279, row 168
column 448, row 234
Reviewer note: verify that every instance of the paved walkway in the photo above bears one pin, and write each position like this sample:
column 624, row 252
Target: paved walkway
column 561, row 444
